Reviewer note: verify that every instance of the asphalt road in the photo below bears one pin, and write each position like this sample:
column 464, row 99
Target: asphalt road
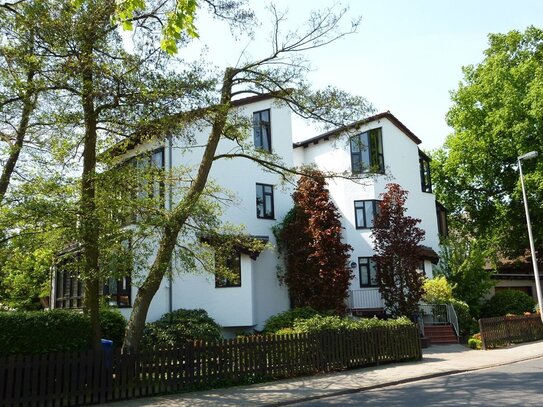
column 517, row 384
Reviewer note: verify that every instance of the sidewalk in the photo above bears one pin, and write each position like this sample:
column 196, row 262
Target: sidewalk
column 437, row 361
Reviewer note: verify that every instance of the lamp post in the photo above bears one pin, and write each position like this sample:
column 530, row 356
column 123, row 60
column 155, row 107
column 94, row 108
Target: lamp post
column 527, row 156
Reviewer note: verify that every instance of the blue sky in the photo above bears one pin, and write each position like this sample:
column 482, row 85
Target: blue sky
column 406, row 57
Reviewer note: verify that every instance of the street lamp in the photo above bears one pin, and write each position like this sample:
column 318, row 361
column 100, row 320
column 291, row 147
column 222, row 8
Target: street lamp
column 527, row 156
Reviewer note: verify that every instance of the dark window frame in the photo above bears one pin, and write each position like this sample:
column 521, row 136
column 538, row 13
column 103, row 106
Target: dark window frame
column 366, row 268
column 223, row 282
column 121, row 298
column 370, row 141
column 264, row 206
column 69, row 288
column 375, row 210
column 425, row 173
column 442, row 222
column 259, row 123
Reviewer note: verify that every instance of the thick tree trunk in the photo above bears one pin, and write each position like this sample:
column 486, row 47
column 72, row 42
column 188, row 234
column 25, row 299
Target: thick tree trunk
column 15, row 150
column 89, row 222
column 178, row 218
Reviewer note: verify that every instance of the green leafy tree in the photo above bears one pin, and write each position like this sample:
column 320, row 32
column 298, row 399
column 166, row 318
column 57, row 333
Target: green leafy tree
column 463, row 262
column 102, row 96
column 496, row 117
column 317, row 273
column 396, row 242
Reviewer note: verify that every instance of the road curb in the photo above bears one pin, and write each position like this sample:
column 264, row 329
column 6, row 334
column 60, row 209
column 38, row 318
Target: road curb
column 397, row 382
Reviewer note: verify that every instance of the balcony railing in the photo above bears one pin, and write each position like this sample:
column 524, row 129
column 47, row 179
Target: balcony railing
column 365, row 298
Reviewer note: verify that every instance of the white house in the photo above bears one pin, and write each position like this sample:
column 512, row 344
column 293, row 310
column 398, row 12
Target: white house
column 262, row 203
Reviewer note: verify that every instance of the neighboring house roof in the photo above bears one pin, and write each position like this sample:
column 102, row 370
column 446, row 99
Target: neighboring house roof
column 519, row 268
column 355, row 125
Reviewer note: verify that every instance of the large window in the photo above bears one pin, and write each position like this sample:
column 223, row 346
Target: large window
column 367, row 152
column 365, row 212
column 228, row 270
column 262, row 130
column 264, row 201
column 367, row 269
column 425, row 176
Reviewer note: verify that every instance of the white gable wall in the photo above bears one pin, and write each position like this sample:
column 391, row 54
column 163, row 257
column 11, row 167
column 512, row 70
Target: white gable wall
column 401, row 159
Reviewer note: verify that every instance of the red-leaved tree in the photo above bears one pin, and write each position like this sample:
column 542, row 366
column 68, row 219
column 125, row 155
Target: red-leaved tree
column 396, row 244
column 316, row 260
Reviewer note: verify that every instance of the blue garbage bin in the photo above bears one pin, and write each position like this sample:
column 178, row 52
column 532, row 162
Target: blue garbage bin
column 107, row 348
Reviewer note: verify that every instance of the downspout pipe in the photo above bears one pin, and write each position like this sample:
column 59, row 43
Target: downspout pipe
column 170, row 205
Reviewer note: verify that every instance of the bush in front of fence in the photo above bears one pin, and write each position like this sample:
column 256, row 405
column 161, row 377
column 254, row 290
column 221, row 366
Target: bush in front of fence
column 175, row 328
column 508, row 302
column 28, row 332
column 285, row 320
column 25, row 332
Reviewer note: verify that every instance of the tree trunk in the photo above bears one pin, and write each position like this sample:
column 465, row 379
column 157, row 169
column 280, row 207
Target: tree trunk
column 15, row 150
column 89, row 221
column 178, row 218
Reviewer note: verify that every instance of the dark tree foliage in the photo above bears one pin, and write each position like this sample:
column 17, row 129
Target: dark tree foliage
column 317, row 272
column 396, row 240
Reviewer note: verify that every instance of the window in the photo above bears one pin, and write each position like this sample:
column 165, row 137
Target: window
column 264, row 201
column 367, row 152
column 367, row 269
column 262, row 130
column 364, row 212
column 442, row 224
column 118, row 292
column 148, row 181
column 231, row 263
column 425, row 177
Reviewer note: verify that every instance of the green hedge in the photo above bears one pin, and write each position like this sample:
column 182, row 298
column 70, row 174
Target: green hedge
column 320, row 323
column 26, row 332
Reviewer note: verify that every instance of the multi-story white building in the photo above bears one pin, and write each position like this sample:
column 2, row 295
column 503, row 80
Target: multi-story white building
column 388, row 147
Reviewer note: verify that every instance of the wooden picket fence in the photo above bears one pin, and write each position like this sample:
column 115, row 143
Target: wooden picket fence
column 81, row 378
column 503, row 331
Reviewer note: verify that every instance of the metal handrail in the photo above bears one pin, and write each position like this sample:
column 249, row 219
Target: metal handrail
column 453, row 318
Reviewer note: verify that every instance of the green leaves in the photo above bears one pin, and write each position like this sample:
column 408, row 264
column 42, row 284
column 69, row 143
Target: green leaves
column 496, row 117
column 179, row 21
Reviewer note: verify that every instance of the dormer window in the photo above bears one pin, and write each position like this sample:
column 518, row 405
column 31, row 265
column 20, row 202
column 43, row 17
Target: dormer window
column 262, row 130
column 367, row 152
column 425, row 176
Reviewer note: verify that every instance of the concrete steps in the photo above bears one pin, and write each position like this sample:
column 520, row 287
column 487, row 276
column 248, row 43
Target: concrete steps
column 440, row 334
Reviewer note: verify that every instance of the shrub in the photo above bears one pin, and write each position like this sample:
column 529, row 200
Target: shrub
column 474, row 343
column 25, row 332
column 113, row 325
column 437, row 291
column 320, row 323
column 177, row 327
column 286, row 319
column 507, row 302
